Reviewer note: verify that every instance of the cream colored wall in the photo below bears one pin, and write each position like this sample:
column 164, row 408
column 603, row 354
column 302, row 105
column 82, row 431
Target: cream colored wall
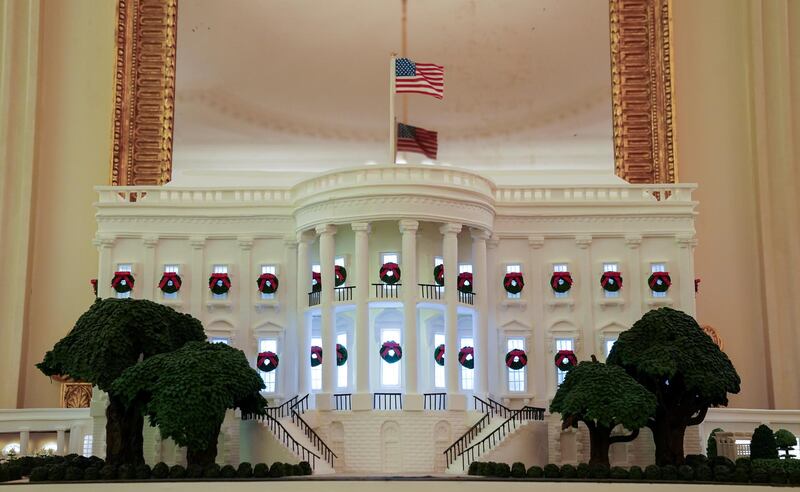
column 737, row 93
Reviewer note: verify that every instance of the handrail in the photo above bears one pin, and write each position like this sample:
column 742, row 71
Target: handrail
column 342, row 401
column 499, row 408
column 284, row 409
column 462, row 442
column 466, row 297
column 497, row 435
column 387, row 291
column 312, row 436
column 387, row 401
column 344, row 293
column 432, row 292
column 286, row 438
column 435, row 401
column 302, row 404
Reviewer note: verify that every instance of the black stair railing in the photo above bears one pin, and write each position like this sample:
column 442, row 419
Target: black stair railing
column 327, row 454
column 466, row 297
column 283, row 410
column 343, row 401
column 280, row 432
column 387, row 401
column 299, row 405
column 508, row 426
column 482, row 405
column 435, row 401
column 344, row 294
column 464, row 441
column 387, row 291
column 498, row 408
column 431, row 292
column 314, row 298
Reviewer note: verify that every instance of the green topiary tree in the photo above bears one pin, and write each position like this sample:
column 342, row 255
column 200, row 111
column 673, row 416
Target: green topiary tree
column 762, row 444
column 669, row 354
column 786, row 441
column 603, row 396
column 113, row 335
column 711, row 445
column 187, row 392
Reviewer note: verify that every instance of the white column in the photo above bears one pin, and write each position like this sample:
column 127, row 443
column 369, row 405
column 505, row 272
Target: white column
column 105, row 270
column 537, row 289
column 287, row 297
column 587, row 290
column 199, row 276
column 480, row 325
column 494, row 363
column 145, row 287
column 362, row 399
column 408, row 256
column 632, row 278
column 303, row 336
column 687, row 242
column 75, row 443
column 24, row 442
column 327, row 254
column 455, row 400
column 244, row 287
column 61, row 435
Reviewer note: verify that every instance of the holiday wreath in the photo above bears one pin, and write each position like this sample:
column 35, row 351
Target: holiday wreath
column 516, row 359
column 219, row 283
column 659, row 281
column 267, row 361
column 316, row 356
column 465, row 282
column 341, row 354
column 267, row 283
column 566, row 360
column 170, row 283
column 513, row 282
column 561, row 282
column 438, row 354
column 316, row 282
column 122, row 281
column 340, row 275
column 391, row 351
column 466, row 357
column 438, row 274
column 611, row 281
column 390, row 273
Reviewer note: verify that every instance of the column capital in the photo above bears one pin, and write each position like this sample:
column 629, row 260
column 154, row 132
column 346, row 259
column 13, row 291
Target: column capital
column 479, row 234
column 686, row 240
column 150, row 241
column 197, row 242
column 535, row 242
column 450, row 228
column 245, row 243
column 408, row 225
column 361, row 227
column 583, row 241
column 323, row 229
column 290, row 242
column 305, row 237
column 633, row 241
column 104, row 241
column 493, row 242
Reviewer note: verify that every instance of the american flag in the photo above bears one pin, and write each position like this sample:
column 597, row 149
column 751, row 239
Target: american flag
column 413, row 139
column 420, row 78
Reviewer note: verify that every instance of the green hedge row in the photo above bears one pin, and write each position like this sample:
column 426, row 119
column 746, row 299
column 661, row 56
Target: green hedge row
column 697, row 468
column 76, row 468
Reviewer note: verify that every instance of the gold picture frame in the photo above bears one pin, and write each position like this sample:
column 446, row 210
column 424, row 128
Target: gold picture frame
column 641, row 72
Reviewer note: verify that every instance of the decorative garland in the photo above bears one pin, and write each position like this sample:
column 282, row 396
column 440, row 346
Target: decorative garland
column 391, row 351
column 561, row 282
column 341, row 275
column 438, row 354
column 316, row 355
column 170, row 283
column 123, row 281
column 516, row 359
column 659, row 281
column 513, row 282
column 219, row 283
column 566, row 360
column 611, row 281
column 267, row 361
column 267, row 283
column 341, row 354
column 316, row 282
column 465, row 282
column 466, row 357
column 390, row 273
column 438, row 274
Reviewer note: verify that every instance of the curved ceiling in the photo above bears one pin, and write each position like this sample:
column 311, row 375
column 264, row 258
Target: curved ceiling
column 302, row 85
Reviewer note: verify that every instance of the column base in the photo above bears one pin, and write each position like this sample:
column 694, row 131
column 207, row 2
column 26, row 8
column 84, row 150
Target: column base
column 323, row 402
column 413, row 402
column 456, row 401
column 361, row 401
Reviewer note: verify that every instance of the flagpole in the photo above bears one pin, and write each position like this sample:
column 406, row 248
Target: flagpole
column 392, row 119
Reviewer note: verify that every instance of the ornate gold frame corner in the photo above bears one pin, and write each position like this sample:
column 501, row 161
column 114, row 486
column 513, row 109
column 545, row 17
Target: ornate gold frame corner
column 641, row 71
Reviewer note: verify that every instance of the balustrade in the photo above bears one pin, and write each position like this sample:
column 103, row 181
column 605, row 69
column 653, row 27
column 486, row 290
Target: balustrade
column 343, row 401
column 387, row 401
column 387, row 291
column 435, row 401
column 466, row 297
column 431, row 292
column 344, row 294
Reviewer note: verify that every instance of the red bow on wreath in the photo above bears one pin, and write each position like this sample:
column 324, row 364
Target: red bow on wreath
column 566, row 360
column 561, row 281
column 659, row 281
column 219, row 283
column 465, row 282
column 316, row 281
column 611, row 281
column 170, row 282
column 122, row 281
column 390, row 273
column 513, row 282
column 340, row 275
column 438, row 274
column 267, row 283
column 94, row 285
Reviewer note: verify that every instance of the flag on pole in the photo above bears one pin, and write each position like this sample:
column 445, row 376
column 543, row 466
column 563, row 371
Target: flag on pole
column 419, row 78
column 419, row 140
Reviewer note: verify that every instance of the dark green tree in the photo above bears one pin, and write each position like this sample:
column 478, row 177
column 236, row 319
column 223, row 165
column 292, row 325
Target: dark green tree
column 786, row 441
column 602, row 397
column 669, row 354
column 187, row 392
column 711, row 445
column 111, row 336
column 762, row 444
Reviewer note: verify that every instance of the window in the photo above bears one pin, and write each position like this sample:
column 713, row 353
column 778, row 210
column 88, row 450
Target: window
column 438, row 371
column 222, row 340
column 270, row 381
column 124, row 267
column 341, row 371
column 11, row 448
column 390, row 258
column 88, row 441
column 390, row 373
column 464, row 267
column 609, row 343
column 516, row 378
column 316, row 372
column 220, row 269
column 563, row 344
column 467, row 375
column 561, row 267
column 742, row 448
column 316, row 268
column 658, row 267
column 50, row 448
column 268, row 269
column 795, row 453
column 173, row 269
column 610, row 267
column 513, row 269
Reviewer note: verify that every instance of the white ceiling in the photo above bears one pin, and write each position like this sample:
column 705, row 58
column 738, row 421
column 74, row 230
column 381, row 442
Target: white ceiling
column 302, row 85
